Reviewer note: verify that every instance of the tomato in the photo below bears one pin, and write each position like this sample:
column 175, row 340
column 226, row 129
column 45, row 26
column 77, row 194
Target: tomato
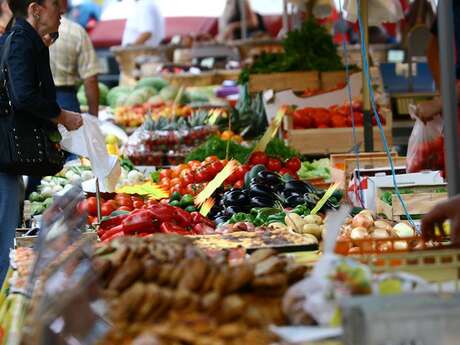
column 211, row 159
column 175, row 181
column 125, row 201
column 293, row 164
column 258, row 158
column 176, row 188
column 338, row 121
column 184, row 172
column 165, row 173
column 302, row 119
column 82, row 207
column 106, row 210
column 92, row 205
column 188, row 178
column 90, row 220
column 239, row 173
column 239, row 184
column 113, row 203
column 138, row 204
column 285, row 171
column 124, row 208
column 202, row 175
column 165, row 180
column 216, row 167
column 274, row 164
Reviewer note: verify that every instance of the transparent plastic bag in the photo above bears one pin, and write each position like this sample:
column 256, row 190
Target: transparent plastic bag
column 426, row 145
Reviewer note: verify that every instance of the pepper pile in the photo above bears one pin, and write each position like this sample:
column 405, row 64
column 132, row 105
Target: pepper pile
column 155, row 218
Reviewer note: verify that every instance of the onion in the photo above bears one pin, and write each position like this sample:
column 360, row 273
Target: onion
column 403, row 230
column 379, row 233
column 384, row 247
column 359, row 233
column 400, row 245
column 361, row 221
column 383, row 225
column 368, row 214
column 354, row 250
column 346, row 230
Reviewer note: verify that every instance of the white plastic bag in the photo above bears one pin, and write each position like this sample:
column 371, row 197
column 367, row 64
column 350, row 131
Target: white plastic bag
column 380, row 11
column 88, row 141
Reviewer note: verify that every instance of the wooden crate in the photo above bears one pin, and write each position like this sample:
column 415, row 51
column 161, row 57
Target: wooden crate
column 296, row 81
column 422, row 201
column 126, row 58
column 332, row 140
column 330, row 80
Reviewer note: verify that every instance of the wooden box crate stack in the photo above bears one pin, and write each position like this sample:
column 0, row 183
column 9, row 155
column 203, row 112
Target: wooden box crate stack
column 296, row 81
column 419, row 200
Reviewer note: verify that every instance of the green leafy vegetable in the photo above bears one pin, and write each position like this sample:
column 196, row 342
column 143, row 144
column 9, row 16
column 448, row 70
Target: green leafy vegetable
column 318, row 168
column 309, row 48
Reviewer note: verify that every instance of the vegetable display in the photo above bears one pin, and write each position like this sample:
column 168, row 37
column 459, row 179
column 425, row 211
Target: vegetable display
column 332, row 117
column 167, row 141
column 154, row 218
column 309, row 48
column 267, row 190
column 315, row 169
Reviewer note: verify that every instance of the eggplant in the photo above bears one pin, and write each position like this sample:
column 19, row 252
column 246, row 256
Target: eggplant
column 295, row 200
column 260, row 202
column 297, row 186
column 235, row 198
column 290, row 192
column 269, row 177
column 230, row 211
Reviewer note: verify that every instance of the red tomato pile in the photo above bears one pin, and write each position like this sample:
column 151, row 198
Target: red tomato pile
column 121, row 202
column 427, row 156
column 155, row 218
column 332, row 117
column 191, row 178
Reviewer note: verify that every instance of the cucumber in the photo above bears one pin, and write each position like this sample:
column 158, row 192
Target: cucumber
column 253, row 173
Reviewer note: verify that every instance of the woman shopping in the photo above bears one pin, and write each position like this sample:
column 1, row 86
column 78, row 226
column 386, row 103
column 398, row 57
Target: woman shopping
column 31, row 96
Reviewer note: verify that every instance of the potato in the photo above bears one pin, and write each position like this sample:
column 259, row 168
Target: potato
column 294, row 221
column 313, row 229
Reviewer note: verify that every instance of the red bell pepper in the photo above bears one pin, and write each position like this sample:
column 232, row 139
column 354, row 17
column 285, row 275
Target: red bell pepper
column 163, row 213
column 182, row 217
column 171, row 228
column 140, row 221
column 109, row 233
column 202, row 229
column 118, row 234
column 198, row 218
column 113, row 221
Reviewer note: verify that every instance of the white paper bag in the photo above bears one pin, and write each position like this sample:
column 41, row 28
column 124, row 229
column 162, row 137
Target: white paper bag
column 88, row 141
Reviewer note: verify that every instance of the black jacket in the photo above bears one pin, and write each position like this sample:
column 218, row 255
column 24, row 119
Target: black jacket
column 31, row 86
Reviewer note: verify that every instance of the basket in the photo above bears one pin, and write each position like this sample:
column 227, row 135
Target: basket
column 437, row 264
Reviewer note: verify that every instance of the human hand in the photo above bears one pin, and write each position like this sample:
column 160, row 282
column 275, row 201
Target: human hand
column 446, row 210
column 426, row 111
column 70, row 120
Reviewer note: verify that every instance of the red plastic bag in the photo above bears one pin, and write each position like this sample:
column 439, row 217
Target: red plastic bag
column 426, row 146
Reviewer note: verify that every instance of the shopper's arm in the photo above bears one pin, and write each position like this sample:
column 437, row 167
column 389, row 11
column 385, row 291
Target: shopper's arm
column 446, row 210
column 92, row 94
column 142, row 38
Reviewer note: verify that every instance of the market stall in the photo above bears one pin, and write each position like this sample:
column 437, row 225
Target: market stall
column 208, row 212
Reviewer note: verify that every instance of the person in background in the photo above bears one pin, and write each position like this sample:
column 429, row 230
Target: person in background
column 145, row 25
column 32, row 94
column 73, row 59
column 447, row 210
column 230, row 21
column 426, row 111
column 5, row 16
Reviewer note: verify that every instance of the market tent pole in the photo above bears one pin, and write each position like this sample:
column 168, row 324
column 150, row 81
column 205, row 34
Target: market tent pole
column 368, row 129
column 285, row 17
column 448, row 94
column 244, row 24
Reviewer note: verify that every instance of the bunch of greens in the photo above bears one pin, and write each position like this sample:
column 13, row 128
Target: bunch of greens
column 215, row 146
column 309, row 48
column 316, row 169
